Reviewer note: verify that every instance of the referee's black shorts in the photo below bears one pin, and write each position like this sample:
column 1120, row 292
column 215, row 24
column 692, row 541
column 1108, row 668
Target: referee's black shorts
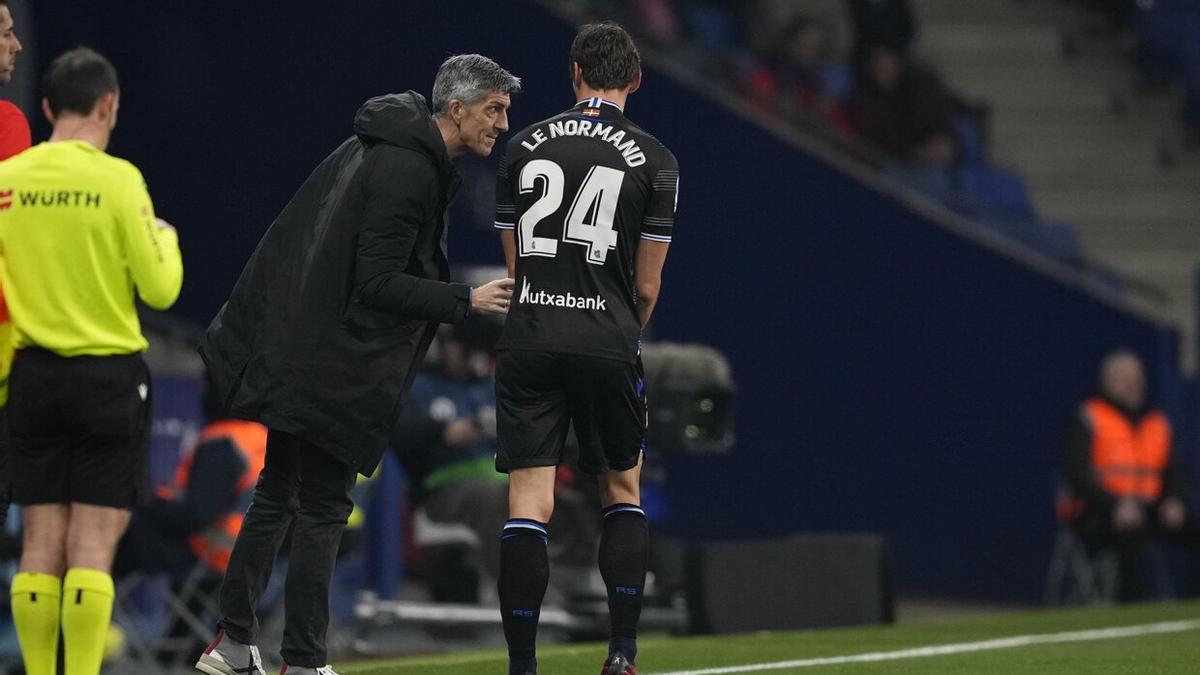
column 539, row 395
column 80, row 428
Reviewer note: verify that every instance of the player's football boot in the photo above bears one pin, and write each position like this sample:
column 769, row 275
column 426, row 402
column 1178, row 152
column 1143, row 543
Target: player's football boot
column 301, row 670
column 226, row 656
column 617, row 664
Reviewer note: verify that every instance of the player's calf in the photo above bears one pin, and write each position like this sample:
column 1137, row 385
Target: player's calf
column 524, row 574
column 624, row 546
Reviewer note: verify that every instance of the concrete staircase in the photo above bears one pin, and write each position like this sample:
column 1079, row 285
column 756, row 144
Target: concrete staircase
column 1088, row 162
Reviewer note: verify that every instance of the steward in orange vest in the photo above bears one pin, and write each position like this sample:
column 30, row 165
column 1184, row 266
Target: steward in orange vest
column 1126, row 486
column 1115, row 456
column 213, row 542
column 213, row 514
column 197, row 516
column 1129, row 451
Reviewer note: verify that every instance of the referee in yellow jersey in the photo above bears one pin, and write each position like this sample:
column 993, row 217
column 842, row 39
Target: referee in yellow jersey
column 79, row 239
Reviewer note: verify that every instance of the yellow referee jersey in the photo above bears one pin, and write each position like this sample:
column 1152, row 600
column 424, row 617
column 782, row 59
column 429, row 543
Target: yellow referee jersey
column 78, row 235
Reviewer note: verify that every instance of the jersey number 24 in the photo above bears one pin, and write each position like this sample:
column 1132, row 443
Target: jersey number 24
column 589, row 221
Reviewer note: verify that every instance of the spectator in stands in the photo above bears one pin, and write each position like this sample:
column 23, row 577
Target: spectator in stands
column 797, row 76
column 718, row 25
column 901, row 109
column 1119, row 464
column 883, row 22
column 658, row 19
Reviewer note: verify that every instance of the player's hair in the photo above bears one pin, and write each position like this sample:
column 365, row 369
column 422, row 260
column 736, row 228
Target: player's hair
column 606, row 54
column 76, row 80
column 468, row 78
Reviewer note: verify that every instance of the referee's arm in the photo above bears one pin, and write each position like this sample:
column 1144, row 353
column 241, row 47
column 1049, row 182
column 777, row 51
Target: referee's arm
column 152, row 249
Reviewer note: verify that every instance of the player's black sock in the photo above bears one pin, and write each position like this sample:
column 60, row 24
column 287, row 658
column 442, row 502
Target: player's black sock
column 524, row 573
column 623, row 552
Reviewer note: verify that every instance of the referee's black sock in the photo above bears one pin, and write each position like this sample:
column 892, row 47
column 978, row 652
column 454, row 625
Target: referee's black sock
column 524, row 573
column 624, row 548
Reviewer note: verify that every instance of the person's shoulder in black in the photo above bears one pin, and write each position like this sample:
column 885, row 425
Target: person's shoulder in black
column 409, row 179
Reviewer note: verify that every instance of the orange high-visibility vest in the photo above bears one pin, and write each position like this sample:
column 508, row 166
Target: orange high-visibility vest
column 1128, row 459
column 214, row 544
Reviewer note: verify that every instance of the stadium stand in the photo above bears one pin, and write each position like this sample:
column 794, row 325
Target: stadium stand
column 1029, row 126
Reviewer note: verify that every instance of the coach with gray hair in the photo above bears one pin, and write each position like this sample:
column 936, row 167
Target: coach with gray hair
column 324, row 330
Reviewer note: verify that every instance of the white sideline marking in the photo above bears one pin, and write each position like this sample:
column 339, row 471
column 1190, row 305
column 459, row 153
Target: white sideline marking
column 960, row 647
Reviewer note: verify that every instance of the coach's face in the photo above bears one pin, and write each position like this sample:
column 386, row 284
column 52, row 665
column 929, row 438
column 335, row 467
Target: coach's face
column 9, row 46
column 481, row 122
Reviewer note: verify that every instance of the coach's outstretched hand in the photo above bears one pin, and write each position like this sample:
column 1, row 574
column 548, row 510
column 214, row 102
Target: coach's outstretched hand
column 492, row 297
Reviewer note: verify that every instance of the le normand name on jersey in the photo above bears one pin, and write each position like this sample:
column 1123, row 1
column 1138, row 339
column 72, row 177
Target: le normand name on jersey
column 569, row 300
column 629, row 149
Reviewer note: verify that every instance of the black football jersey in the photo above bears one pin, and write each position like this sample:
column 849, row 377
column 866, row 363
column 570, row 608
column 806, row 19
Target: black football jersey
column 581, row 190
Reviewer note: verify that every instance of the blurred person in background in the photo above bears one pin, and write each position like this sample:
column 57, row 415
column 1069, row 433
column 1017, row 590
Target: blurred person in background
column 324, row 331
column 196, row 518
column 1118, row 461
column 797, row 76
column 14, row 139
column 658, row 19
column 883, row 22
column 446, row 441
column 901, row 109
column 14, row 128
column 80, row 238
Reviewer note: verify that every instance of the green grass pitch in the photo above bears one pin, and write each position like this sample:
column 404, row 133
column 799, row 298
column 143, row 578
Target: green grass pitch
column 1167, row 652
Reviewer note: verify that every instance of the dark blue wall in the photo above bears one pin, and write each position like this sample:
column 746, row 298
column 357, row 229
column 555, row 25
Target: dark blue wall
column 893, row 376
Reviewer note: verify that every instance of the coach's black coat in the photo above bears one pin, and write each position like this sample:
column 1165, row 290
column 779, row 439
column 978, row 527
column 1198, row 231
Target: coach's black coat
column 338, row 304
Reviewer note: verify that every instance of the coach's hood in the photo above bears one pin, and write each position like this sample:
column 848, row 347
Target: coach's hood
column 402, row 120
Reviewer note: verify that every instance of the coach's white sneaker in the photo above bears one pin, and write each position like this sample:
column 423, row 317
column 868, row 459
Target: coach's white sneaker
column 226, row 656
column 301, row 670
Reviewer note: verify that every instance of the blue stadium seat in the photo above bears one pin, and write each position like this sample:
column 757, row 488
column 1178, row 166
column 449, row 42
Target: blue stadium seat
column 996, row 192
column 932, row 182
column 1061, row 241
column 837, row 80
column 970, row 136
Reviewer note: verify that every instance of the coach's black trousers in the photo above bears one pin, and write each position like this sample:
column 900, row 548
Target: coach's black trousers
column 306, row 488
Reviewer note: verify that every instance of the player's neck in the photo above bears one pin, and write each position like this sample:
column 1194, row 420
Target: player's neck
column 617, row 96
column 76, row 128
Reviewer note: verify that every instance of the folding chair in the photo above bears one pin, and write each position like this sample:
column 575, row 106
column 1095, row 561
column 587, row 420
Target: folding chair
column 166, row 616
column 1077, row 576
